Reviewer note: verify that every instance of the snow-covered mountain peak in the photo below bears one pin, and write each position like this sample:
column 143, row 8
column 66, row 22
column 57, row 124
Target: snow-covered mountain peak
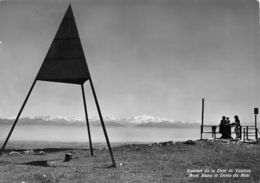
column 148, row 119
column 138, row 119
column 59, row 118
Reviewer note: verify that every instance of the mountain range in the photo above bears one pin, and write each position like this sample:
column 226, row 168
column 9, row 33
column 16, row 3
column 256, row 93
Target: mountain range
column 135, row 121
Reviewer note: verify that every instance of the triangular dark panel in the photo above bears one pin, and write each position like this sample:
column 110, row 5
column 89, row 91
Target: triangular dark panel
column 65, row 61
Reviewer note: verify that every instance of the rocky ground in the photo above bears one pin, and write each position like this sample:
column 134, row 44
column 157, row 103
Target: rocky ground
column 190, row 161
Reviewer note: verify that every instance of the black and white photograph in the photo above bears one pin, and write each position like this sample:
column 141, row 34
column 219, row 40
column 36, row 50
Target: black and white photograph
column 127, row 91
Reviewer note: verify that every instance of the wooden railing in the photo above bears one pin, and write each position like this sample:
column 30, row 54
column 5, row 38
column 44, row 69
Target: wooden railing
column 247, row 132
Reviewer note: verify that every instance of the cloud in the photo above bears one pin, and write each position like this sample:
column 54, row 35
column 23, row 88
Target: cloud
column 1, row 41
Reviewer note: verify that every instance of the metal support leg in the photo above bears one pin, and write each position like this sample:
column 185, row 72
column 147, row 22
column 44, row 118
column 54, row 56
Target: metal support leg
column 102, row 123
column 87, row 122
column 11, row 131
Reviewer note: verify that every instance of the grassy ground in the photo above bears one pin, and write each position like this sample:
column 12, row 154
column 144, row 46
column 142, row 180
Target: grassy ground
column 135, row 163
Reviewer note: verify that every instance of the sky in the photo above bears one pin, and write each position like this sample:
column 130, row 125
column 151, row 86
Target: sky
column 145, row 57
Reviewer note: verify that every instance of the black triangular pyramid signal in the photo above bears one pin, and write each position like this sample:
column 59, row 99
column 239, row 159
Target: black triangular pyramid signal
column 65, row 62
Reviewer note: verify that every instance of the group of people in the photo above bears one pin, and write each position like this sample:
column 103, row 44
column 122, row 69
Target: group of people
column 225, row 127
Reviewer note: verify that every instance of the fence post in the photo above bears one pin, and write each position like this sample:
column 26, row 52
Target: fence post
column 202, row 119
column 256, row 112
column 256, row 135
column 246, row 132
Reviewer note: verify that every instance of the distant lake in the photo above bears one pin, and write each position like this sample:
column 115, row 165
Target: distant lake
column 116, row 134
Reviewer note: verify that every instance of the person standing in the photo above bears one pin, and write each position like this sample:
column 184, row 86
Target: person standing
column 237, row 127
column 222, row 127
column 228, row 129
